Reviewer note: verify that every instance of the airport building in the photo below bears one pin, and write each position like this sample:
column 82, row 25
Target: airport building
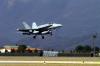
column 9, row 48
column 14, row 49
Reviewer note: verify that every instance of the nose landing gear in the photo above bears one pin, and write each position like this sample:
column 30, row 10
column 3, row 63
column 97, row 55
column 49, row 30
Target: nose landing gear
column 34, row 37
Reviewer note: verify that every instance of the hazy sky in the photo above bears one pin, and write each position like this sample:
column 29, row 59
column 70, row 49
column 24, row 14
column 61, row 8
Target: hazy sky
column 78, row 17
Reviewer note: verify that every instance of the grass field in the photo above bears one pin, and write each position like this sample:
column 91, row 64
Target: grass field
column 26, row 58
column 31, row 58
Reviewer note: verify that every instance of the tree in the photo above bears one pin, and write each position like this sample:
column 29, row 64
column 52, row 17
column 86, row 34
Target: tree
column 22, row 48
column 85, row 48
column 79, row 48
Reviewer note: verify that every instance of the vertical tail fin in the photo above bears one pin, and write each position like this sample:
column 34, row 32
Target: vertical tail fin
column 26, row 25
column 34, row 26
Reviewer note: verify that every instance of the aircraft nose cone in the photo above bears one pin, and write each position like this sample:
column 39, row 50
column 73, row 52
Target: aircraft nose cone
column 60, row 25
column 17, row 29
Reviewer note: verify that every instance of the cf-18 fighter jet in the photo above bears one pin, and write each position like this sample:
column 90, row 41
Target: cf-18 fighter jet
column 38, row 30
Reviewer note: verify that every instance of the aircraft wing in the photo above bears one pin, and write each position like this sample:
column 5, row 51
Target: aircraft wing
column 27, row 30
column 23, row 30
column 43, row 27
column 40, row 28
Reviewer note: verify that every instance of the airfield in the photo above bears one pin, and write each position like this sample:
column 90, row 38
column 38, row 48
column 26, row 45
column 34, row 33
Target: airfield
column 48, row 61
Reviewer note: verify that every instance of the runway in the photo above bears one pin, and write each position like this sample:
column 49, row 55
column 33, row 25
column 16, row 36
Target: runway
column 49, row 62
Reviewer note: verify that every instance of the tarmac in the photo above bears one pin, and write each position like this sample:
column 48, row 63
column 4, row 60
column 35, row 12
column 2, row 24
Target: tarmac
column 49, row 62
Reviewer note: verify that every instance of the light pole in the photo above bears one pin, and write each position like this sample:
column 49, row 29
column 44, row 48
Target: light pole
column 94, row 38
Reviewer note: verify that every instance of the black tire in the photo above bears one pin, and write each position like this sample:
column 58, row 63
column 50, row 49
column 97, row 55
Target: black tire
column 34, row 37
column 42, row 37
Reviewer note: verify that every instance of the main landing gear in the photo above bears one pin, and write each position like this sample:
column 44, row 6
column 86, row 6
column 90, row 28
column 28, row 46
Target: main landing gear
column 34, row 37
column 41, row 36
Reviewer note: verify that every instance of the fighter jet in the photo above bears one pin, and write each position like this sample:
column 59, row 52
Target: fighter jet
column 39, row 30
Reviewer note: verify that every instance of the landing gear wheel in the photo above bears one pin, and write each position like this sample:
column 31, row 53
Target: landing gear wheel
column 42, row 37
column 34, row 37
